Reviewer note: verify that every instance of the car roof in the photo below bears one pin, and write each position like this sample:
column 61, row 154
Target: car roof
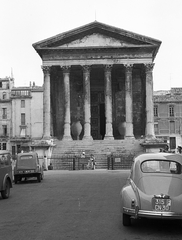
column 27, row 153
column 161, row 156
column 4, row 152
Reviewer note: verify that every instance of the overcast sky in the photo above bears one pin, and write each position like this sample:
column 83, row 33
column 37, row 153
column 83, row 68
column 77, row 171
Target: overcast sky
column 24, row 22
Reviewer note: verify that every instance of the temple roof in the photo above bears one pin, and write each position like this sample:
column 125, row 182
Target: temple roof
column 97, row 35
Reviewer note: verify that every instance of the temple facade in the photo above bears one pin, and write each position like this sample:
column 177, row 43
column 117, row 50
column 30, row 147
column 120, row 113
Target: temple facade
column 98, row 84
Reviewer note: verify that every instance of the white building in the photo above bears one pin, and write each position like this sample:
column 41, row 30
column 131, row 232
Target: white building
column 5, row 112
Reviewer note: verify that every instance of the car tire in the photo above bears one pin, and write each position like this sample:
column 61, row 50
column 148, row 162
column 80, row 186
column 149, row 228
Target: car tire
column 126, row 220
column 6, row 192
column 39, row 178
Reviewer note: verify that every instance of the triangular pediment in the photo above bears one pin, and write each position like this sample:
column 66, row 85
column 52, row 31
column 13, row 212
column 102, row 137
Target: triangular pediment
column 94, row 32
column 97, row 40
column 97, row 34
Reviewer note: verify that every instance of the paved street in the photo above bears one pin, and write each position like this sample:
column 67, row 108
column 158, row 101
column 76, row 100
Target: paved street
column 75, row 205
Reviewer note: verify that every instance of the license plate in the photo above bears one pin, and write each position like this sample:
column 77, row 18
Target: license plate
column 161, row 204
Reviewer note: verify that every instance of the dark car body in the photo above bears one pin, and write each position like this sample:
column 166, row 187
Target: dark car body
column 154, row 188
column 5, row 173
column 28, row 166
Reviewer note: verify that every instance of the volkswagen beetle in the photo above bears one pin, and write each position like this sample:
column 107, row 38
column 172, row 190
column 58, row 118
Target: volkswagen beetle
column 153, row 189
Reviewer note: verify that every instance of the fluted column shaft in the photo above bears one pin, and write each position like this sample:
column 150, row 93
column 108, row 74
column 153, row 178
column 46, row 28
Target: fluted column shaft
column 149, row 132
column 67, row 116
column 46, row 102
column 108, row 103
column 128, row 101
column 87, row 110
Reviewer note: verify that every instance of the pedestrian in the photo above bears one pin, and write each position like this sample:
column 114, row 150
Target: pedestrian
column 93, row 163
column 45, row 163
column 179, row 149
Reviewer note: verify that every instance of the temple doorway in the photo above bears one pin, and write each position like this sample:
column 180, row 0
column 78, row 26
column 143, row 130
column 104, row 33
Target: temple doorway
column 97, row 115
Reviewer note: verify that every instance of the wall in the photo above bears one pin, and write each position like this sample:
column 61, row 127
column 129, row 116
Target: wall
column 37, row 114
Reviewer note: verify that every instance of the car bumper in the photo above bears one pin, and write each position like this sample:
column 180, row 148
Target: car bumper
column 22, row 175
column 136, row 213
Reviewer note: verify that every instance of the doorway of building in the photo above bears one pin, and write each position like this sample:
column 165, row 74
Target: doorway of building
column 102, row 120
column 172, row 143
column 97, row 115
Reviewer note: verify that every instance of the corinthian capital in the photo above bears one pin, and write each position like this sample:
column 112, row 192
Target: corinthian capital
column 128, row 68
column 108, row 68
column 149, row 67
column 66, row 69
column 46, row 69
column 86, row 68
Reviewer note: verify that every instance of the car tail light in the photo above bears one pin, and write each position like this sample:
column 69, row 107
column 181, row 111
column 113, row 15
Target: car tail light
column 133, row 203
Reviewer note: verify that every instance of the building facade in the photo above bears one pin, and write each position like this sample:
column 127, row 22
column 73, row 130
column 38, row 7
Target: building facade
column 6, row 85
column 99, row 76
column 27, row 117
column 168, row 116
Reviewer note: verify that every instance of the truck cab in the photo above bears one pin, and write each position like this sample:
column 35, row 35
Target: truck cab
column 28, row 166
column 5, row 173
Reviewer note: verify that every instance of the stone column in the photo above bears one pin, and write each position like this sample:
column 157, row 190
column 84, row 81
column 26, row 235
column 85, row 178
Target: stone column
column 67, row 116
column 108, row 102
column 149, row 132
column 87, row 110
column 128, row 101
column 46, row 103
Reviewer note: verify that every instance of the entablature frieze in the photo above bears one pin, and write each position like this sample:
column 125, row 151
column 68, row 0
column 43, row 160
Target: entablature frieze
column 90, row 62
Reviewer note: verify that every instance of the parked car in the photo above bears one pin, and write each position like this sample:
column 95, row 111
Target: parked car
column 28, row 166
column 154, row 188
column 5, row 173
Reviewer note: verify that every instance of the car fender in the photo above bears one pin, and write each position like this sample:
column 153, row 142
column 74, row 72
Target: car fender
column 129, row 193
column 7, row 177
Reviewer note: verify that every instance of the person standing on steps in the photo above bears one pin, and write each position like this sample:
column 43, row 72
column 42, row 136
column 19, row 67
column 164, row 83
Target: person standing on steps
column 93, row 163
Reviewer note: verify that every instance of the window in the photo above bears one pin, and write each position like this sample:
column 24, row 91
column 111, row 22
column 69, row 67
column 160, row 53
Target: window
column 2, row 146
column 22, row 103
column 4, row 130
column 4, row 113
column 172, row 127
column 22, row 118
column 4, row 95
column 156, row 128
column 1, row 84
column 159, row 166
column 155, row 111
column 171, row 110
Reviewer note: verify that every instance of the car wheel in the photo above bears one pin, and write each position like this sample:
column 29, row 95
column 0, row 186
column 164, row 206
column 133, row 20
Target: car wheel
column 39, row 178
column 126, row 220
column 6, row 192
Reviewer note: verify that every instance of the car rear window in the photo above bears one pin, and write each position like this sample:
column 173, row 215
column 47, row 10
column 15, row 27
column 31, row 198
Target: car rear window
column 159, row 166
column 26, row 161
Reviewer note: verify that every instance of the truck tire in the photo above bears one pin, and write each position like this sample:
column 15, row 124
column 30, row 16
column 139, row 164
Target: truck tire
column 6, row 192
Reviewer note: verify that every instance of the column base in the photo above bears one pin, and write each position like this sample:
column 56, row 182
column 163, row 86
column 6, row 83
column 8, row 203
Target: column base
column 129, row 137
column 47, row 137
column 108, row 138
column 150, row 137
column 87, row 138
column 67, row 138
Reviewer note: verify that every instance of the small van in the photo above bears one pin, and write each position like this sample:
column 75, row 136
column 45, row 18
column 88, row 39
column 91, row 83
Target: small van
column 28, row 166
column 5, row 173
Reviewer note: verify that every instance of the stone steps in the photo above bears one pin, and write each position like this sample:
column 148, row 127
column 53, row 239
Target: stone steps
column 123, row 151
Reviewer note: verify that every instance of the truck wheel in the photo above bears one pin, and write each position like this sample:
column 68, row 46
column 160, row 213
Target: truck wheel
column 6, row 192
column 126, row 220
column 39, row 178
